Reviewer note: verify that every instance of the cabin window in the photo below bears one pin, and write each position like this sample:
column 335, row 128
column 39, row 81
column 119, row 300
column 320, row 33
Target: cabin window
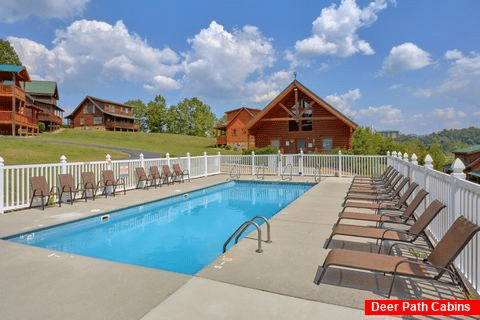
column 97, row 120
column 307, row 125
column 111, row 108
column 88, row 109
column 292, row 125
column 275, row 143
column 82, row 120
column 234, row 132
column 327, row 144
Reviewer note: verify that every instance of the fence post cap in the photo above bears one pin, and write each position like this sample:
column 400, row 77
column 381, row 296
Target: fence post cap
column 394, row 153
column 458, row 166
column 388, row 153
column 253, row 153
column 428, row 162
column 339, row 151
column 108, row 157
column 414, row 158
column 399, row 154
column 1, row 161
column 405, row 156
column 219, row 153
column 167, row 155
column 141, row 156
column 63, row 158
column 188, row 154
column 205, row 153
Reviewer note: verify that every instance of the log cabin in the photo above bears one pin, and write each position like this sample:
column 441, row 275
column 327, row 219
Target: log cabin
column 297, row 119
column 233, row 132
column 45, row 96
column 18, row 112
column 100, row 114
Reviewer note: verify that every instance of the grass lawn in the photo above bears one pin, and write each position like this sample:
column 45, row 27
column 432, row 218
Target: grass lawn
column 153, row 142
column 27, row 151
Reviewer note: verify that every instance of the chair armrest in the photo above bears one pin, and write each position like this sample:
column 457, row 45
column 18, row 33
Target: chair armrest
column 406, row 245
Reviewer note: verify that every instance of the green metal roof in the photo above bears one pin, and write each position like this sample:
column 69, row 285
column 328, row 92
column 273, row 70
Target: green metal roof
column 10, row 68
column 474, row 173
column 470, row 149
column 41, row 87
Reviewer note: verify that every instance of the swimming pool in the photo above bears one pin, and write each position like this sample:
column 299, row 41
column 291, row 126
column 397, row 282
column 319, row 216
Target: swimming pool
column 182, row 233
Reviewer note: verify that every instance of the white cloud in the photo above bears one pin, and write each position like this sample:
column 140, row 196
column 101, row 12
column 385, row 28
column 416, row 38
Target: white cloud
column 406, row 56
column 447, row 114
column 386, row 114
column 344, row 102
column 477, row 113
column 221, row 64
column 88, row 51
column 423, row 93
column 439, row 118
column 16, row 10
column 334, row 32
column 463, row 75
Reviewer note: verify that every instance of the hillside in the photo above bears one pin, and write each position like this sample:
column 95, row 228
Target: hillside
column 450, row 140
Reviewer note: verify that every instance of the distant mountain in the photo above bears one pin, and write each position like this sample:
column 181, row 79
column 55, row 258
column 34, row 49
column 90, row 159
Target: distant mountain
column 450, row 140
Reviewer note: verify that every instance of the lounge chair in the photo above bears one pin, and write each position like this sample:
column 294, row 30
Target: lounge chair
column 88, row 183
column 382, row 234
column 108, row 180
column 142, row 177
column 387, row 171
column 396, row 205
column 390, row 216
column 375, row 184
column 168, row 175
column 67, row 186
column 155, row 175
column 180, row 173
column 40, row 189
column 389, row 195
column 387, row 189
column 434, row 266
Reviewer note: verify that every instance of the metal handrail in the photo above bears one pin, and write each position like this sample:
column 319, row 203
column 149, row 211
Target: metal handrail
column 318, row 176
column 261, row 176
column 232, row 171
column 269, row 240
column 285, row 169
column 246, row 223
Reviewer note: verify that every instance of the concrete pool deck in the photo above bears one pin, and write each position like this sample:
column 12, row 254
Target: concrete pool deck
column 36, row 283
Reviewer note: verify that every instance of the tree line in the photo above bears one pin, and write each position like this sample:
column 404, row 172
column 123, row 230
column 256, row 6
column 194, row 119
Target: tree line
column 189, row 117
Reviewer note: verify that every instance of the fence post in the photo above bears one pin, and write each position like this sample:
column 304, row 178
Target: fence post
column 414, row 159
column 279, row 163
column 389, row 161
column 108, row 158
column 219, row 162
column 2, row 185
column 428, row 166
column 142, row 160
column 253, row 163
column 206, row 164
column 406, row 171
column 301, row 162
column 457, row 174
column 63, row 162
column 189, row 163
column 339, row 163
column 167, row 155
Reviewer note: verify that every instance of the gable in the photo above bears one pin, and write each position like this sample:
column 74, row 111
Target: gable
column 298, row 103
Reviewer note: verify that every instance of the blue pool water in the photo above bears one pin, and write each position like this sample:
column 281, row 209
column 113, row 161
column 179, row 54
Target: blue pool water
column 183, row 233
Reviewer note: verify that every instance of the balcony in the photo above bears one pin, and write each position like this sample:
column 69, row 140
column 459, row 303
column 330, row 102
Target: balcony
column 48, row 117
column 122, row 126
column 6, row 117
column 221, row 140
column 7, row 90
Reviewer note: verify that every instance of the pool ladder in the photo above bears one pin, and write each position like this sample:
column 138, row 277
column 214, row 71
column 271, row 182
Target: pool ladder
column 238, row 233
column 235, row 171
column 284, row 170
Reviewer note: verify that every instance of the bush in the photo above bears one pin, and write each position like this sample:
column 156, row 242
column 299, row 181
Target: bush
column 41, row 127
column 265, row 150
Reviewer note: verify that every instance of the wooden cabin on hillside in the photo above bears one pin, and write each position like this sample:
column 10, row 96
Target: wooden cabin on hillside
column 18, row 112
column 233, row 132
column 102, row 114
column 297, row 119
column 45, row 96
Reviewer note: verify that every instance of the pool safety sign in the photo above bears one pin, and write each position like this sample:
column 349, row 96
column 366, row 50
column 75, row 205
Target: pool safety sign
column 422, row 307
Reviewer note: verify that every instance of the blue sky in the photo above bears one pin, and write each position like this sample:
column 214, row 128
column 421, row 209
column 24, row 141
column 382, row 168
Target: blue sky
column 412, row 66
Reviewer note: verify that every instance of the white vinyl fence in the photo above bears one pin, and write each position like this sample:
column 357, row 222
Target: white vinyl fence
column 304, row 164
column 461, row 197
column 15, row 189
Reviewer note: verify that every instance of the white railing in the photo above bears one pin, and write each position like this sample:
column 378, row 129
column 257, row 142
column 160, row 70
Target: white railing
column 306, row 164
column 461, row 198
column 15, row 189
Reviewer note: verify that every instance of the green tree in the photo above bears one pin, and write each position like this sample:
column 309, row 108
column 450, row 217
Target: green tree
column 8, row 54
column 156, row 114
column 139, row 112
column 190, row 117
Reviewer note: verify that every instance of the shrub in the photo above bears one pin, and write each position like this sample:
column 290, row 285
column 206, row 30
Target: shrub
column 265, row 150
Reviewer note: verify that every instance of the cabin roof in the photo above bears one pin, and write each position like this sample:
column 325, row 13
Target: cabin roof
column 98, row 107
